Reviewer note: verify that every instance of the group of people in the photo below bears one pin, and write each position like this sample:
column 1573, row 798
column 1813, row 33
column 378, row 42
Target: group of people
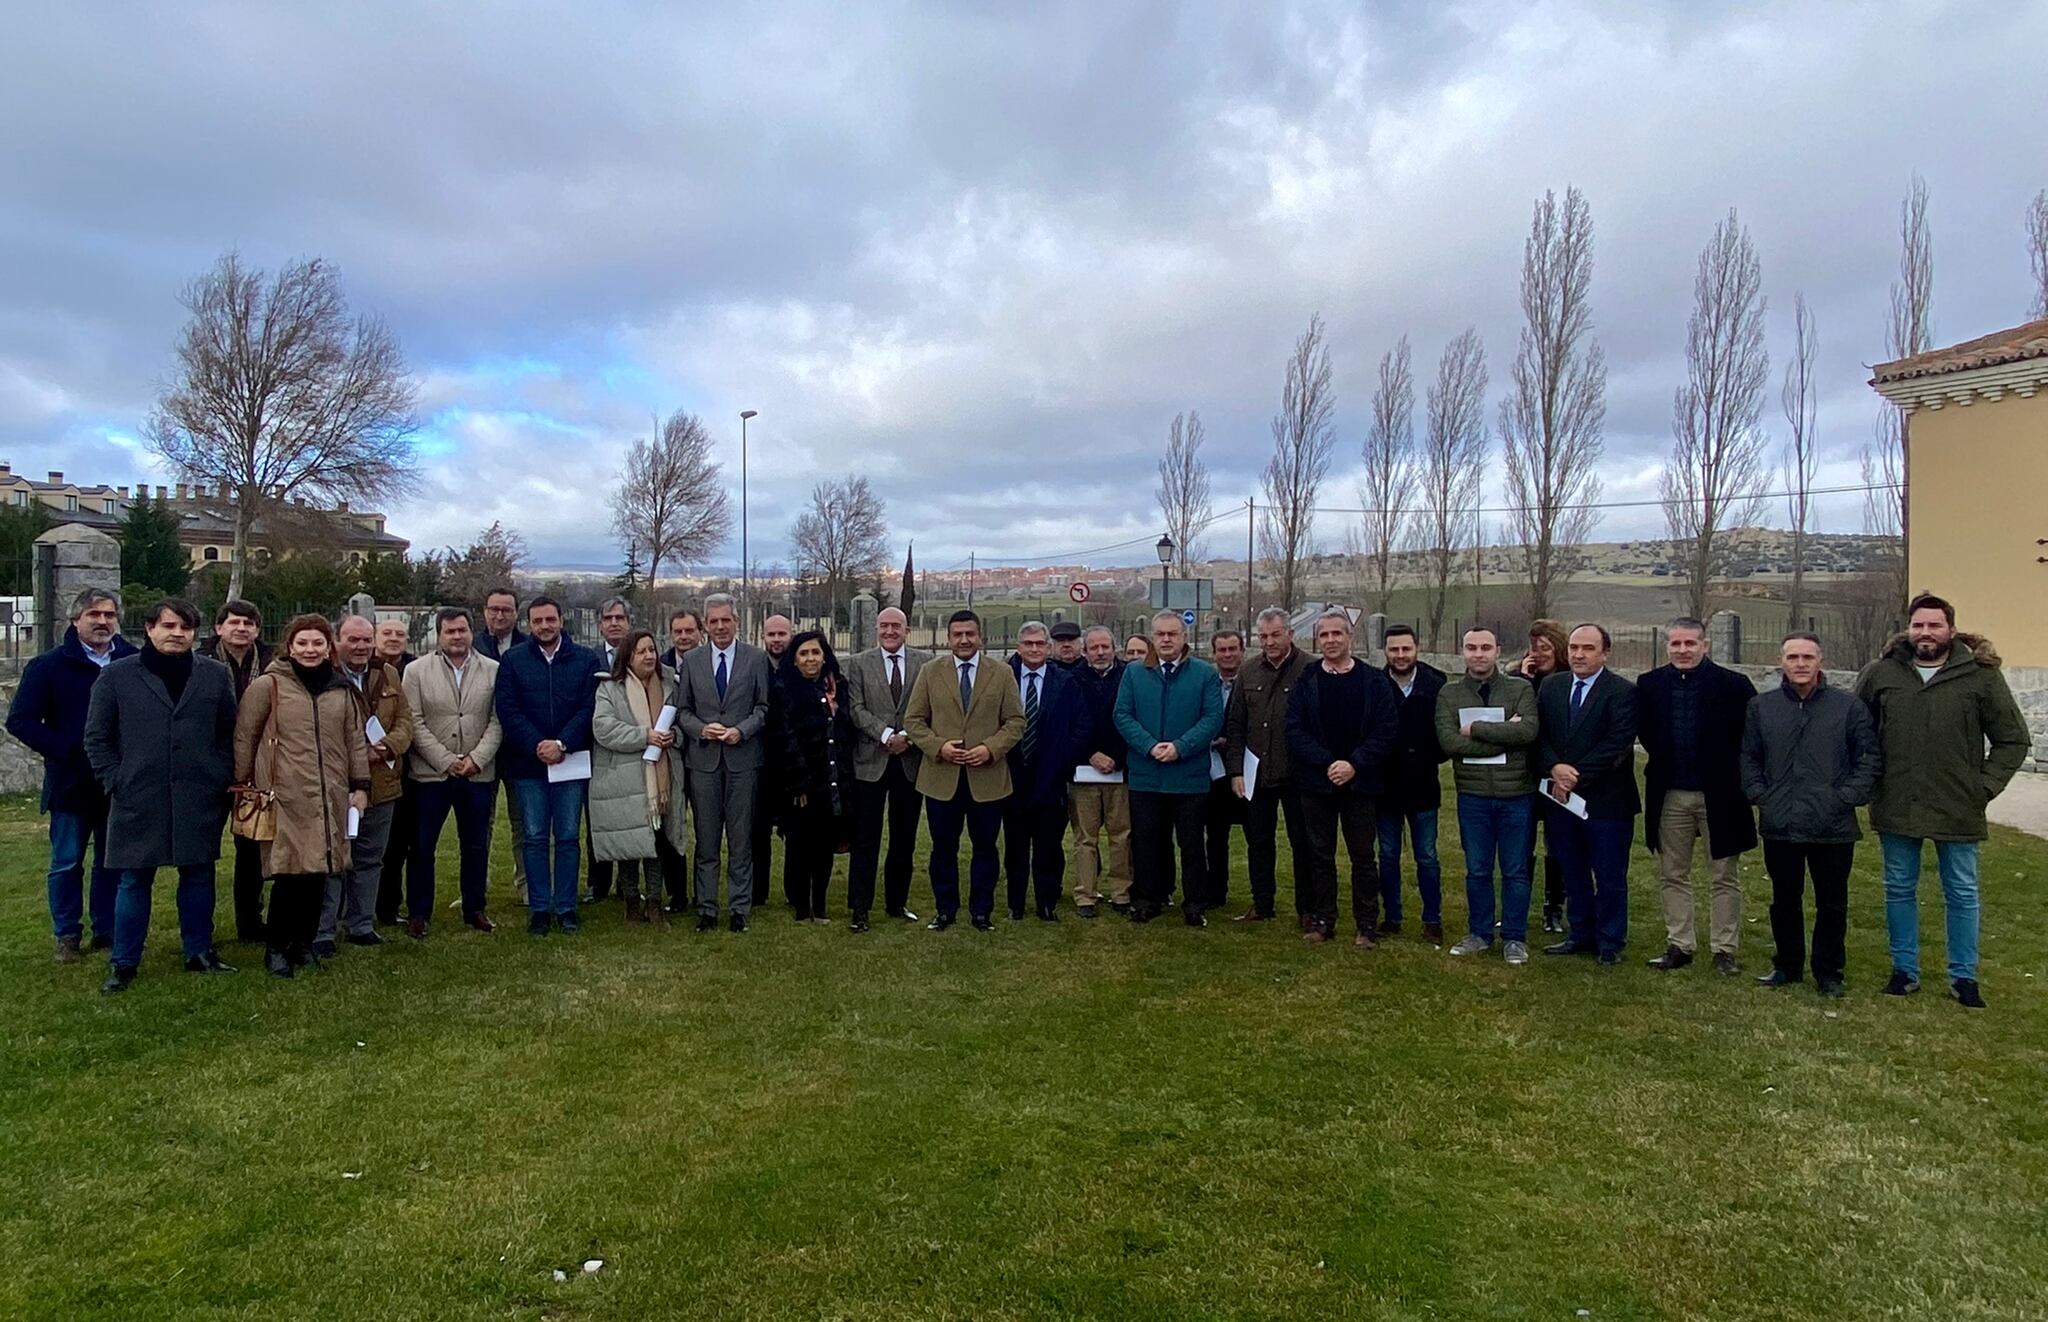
column 343, row 756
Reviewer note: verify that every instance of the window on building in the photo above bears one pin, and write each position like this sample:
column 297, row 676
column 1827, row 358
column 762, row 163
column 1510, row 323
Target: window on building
column 211, row 553
column 71, row 504
column 20, row 496
column 107, row 505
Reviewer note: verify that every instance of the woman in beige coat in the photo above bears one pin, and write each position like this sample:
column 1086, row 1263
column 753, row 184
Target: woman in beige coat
column 300, row 735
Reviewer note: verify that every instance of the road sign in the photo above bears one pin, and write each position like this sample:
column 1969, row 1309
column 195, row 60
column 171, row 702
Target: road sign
column 1188, row 618
column 1079, row 592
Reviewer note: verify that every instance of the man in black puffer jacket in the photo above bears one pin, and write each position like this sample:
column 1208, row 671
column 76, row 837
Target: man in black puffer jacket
column 1809, row 757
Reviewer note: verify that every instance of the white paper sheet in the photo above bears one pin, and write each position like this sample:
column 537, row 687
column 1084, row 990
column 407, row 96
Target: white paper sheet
column 1472, row 716
column 1087, row 775
column 373, row 730
column 1215, row 765
column 575, row 766
column 661, row 726
column 355, row 821
column 1572, row 803
column 1251, row 773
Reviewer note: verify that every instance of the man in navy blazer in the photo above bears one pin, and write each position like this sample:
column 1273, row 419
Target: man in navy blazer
column 1585, row 746
column 547, row 686
column 1056, row 722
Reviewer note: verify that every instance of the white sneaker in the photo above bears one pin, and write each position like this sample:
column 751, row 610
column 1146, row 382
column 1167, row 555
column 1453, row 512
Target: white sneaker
column 1515, row 952
column 1471, row 945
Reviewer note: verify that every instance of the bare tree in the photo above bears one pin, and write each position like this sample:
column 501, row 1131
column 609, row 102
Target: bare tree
column 669, row 503
column 280, row 395
column 842, row 537
column 1714, row 483
column 2037, row 251
column 1302, row 445
column 1887, row 510
column 1552, row 419
column 1184, row 490
column 1453, row 456
column 486, row 563
column 1389, row 454
column 1800, row 400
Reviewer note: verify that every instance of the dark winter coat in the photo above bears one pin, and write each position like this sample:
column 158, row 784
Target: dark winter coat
column 1513, row 739
column 815, row 756
column 1808, row 763
column 165, row 767
column 1722, row 705
column 538, row 699
column 487, row 645
column 48, row 715
column 254, row 662
column 1186, row 711
column 1098, row 694
column 1938, row 775
column 1255, row 718
column 1309, row 759
column 1412, row 784
column 1064, row 725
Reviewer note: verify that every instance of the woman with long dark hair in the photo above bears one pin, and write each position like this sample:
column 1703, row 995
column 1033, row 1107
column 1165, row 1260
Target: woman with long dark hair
column 817, row 763
column 300, row 736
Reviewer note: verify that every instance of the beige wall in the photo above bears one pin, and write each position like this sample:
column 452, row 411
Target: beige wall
column 1979, row 480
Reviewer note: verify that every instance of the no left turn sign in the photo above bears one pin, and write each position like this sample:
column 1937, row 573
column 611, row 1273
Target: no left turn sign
column 1079, row 592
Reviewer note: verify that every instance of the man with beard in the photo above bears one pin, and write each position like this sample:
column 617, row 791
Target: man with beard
column 1413, row 795
column 776, row 632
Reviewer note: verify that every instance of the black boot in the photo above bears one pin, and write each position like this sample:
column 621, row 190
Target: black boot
column 277, row 963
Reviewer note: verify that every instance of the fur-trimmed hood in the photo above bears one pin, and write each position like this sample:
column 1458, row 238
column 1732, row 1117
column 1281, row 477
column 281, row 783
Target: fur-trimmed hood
column 1900, row 645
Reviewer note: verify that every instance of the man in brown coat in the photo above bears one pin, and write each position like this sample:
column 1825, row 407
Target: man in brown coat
column 1255, row 722
column 965, row 716
column 351, row 898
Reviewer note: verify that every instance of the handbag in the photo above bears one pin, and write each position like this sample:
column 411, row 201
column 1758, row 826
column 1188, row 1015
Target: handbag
column 254, row 814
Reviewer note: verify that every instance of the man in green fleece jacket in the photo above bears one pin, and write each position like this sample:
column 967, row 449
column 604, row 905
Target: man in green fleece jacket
column 1938, row 700
column 1496, row 792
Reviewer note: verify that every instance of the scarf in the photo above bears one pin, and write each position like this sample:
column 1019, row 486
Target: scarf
column 644, row 697
column 314, row 678
column 173, row 670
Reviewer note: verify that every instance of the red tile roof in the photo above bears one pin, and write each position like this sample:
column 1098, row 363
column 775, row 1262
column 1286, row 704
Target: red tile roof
column 2006, row 346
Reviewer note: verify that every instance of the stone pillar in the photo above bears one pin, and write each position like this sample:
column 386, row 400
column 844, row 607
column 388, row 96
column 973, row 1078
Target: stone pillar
column 1724, row 637
column 70, row 558
column 863, row 614
column 365, row 605
column 1375, row 634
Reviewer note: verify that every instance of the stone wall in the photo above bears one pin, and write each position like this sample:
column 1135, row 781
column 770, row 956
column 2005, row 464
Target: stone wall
column 21, row 771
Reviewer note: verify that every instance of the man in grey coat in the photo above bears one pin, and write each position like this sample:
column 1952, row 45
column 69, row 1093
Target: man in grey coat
column 722, row 708
column 160, row 735
column 1809, row 756
column 884, row 769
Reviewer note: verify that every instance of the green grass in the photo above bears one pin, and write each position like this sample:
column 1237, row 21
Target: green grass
column 1048, row 1122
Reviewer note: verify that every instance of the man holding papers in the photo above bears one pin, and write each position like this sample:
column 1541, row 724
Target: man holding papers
column 546, row 690
column 1099, row 802
column 1486, row 723
column 1255, row 757
column 1586, row 734
column 350, row 904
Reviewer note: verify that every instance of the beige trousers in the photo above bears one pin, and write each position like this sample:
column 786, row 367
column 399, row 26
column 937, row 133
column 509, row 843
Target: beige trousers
column 1092, row 809
column 1682, row 821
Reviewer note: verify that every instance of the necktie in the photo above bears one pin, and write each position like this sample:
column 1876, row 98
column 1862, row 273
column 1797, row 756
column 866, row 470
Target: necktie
column 1486, row 694
column 1166, row 671
column 1578, row 697
column 720, row 677
column 1028, row 744
column 966, row 685
column 896, row 679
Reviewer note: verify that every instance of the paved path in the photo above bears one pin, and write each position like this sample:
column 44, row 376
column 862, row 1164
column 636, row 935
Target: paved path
column 2024, row 804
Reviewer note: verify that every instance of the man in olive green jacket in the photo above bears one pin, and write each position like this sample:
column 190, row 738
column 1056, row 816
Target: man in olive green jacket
column 1938, row 699
column 1496, row 792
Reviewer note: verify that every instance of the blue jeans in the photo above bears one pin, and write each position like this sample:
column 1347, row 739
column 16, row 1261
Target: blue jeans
column 195, row 912
column 1957, row 860
column 1428, row 872
column 69, row 833
column 1502, row 830
column 551, row 812
column 1593, row 855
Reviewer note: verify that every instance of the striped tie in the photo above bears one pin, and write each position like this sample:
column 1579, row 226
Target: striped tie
column 1029, row 743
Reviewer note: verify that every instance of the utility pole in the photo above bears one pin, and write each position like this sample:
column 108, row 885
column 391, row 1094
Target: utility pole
column 970, row 580
column 1249, row 523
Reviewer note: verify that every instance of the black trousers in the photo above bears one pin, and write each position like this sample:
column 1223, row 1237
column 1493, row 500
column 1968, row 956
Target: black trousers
column 809, row 846
column 767, row 812
column 599, row 870
column 1224, row 810
column 1788, row 864
column 1035, row 849
column 983, row 821
column 295, row 899
column 893, row 800
column 249, row 890
column 1355, row 817
column 1262, row 816
column 671, row 872
column 405, row 817
column 1159, row 823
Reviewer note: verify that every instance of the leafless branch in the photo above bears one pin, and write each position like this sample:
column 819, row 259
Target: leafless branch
column 2037, row 251
column 1302, row 446
column 1452, row 457
column 843, row 537
column 1799, row 398
column 1389, row 454
column 1183, row 491
column 670, row 503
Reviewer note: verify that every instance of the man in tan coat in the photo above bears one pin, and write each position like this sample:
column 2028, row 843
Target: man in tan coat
column 351, row 902
column 452, row 693
column 965, row 716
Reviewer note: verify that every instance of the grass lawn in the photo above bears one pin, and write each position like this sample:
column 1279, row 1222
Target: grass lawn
column 1050, row 1121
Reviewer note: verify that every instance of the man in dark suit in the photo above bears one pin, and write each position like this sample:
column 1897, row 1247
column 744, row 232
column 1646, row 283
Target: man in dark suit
column 1056, row 723
column 237, row 645
column 1413, row 796
column 964, row 715
column 776, row 631
column 722, row 710
column 500, row 635
column 1691, row 714
column 885, row 765
column 685, row 632
column 546, row 688
column 1226, row 808
column 1586, row 735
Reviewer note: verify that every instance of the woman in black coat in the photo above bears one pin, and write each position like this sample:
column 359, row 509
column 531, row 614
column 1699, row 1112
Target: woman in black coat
column 816, row 726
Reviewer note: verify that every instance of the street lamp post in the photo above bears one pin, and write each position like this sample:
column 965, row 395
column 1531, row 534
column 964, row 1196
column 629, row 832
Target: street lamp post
column 1165, row 549
column 746, row 563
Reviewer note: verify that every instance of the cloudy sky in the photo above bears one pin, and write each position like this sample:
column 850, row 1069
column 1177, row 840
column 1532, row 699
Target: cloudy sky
column 980, row 252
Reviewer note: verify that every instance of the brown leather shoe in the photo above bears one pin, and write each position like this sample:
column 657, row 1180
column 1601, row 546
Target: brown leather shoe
column 1252, row 916
column 1433, row 933
column 481, row 921
column 416, row 928
column 67, row 950
column 656, row 916
column 1672, row 958
column 1366, row 941
column 1315, row 936
column 635, row 911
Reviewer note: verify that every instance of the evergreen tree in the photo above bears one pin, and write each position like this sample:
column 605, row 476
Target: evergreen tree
column 19, row 528
column 150, row 552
